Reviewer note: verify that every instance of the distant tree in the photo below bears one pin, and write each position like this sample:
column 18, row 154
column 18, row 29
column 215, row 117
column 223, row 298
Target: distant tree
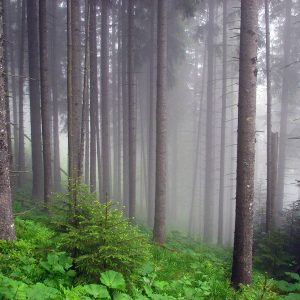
column 243, row 237
column 35, row 102
column 45, row 99
column 7, row 229
column 161, row 125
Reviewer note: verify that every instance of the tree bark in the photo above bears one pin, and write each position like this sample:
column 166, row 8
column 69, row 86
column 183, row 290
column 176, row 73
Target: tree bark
column 161, row 125
column 35, row 103
column 105, row 101
column 243, row 237
column 131, row 114
column 7, row 229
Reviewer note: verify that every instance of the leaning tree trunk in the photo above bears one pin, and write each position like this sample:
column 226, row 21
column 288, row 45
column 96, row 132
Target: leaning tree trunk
column 45, row 99
column 243, row 237
column 93, row 96
column 223, row 130
column 161, row 126
column 21, row 153
column 7, row 229
column 284, row 111
column 208, row 188
column 105, row 101
column 35, row 103
column 131, row 114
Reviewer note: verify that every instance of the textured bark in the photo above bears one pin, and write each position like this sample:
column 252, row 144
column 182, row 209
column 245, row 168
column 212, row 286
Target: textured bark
column 223, row 130
column 152, row 108
column 93, row 96
column 284, row 108
column 105, row 146
column 243, row 237
column 269, row 215
column 45, row 99
column 54, row 79
column 7, row 229
column 21, row 158
column 274, row 209
column 208, row 189
column 161, row 125
column 131, row 114
column 35, row 103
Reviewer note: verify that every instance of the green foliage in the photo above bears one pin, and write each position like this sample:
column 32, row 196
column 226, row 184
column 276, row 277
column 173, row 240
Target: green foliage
column 113, row 280
column 291, row 289
column 100, row 238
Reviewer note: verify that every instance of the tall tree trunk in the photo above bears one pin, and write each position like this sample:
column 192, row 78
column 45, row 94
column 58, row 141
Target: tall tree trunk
column 208, row 190
column 35, row 103
column 21, row 158
column 223, row 129
column 7, row 229
column 131, row 114
column 269, row 216
column 161, row 125
column 54, row 75
column 274, row 169
column 105, row 101
column 284, row 108
column 45, row 99
column 93, row 95
column 243, row 237
column 152, row 100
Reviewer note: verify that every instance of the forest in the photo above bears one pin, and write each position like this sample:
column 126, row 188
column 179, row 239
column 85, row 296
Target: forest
column 149, row 149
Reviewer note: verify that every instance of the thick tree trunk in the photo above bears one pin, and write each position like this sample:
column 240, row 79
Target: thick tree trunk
column 45, row 99
column 223, row 130
column 7, row 229
column 209, row 158
column 152, row 100
column 105, row 146
column 243, row 237
column 131, row 114
column 54, row 79
column 161, row 125
column 35, row 103
column 284, row 108
column 93, row 96
column 21, row 158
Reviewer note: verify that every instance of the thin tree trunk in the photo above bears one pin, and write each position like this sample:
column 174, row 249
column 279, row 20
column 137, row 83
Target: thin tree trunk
column 7, row 229
column 21, row 158
column 284, row 109
column 243, row 237
column 274, row 169
column 45, row 99
column 161, row 126
column 223, row 130
column 35, row 103
column 105, row 101
column 131, row 114
column 152, row 100
column 93, row 96
column 54, row 74
column 208, row 190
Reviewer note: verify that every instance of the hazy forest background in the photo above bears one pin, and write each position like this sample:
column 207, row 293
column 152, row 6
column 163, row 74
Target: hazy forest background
column 149, row 149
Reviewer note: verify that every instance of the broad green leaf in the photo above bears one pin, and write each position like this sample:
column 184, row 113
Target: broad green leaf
column 113, row 280
column 97, row 291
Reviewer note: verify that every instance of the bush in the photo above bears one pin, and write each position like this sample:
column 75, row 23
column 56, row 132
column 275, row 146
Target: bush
column 100, row 238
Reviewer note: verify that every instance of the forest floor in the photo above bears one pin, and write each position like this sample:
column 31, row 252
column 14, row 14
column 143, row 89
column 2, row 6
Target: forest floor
column 34, row 267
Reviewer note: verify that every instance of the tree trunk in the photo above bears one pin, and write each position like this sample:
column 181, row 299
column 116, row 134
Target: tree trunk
column 7, row 229
column 274, row 209
column 54, row 75
column 208, row 189
column 152, row 100
column 93, row 96
column 105, row 101
column 35, row 103
column 131, row 114
column 284, row 108
column 243, row 237
column 45, row 99
column 21, row 158
column 223, row 130
column 161, row 126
